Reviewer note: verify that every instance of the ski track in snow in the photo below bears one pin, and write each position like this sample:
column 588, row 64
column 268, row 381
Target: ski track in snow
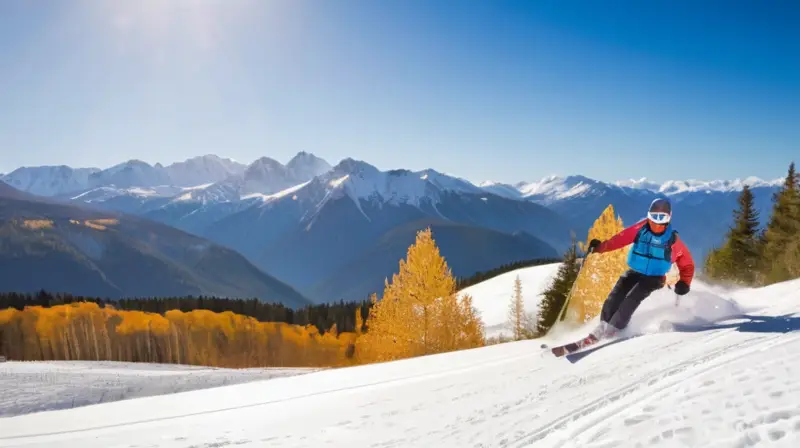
column 726, row 376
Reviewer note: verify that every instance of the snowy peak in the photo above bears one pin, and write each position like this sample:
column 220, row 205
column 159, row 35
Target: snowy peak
column 361, row 181
column 554, row 188
column 203, row 170
column 264, row 175
column 265, row 166
column 306, row 166
column 264, row 178
column 504, row 190
column 133, row 173
column 195, row 171
column 554, row 185
column 673, row 187
column 49, row 180
column 354, row 167
column 641, row 183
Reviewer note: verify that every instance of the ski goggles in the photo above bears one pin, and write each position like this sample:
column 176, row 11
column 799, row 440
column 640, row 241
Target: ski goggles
column 658, row 217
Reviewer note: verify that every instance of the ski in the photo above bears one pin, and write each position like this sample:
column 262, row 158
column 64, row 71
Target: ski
column 572, row 347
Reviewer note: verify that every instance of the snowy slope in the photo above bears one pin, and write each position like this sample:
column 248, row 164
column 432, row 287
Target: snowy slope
column 40, row 386
column 492, row 297
column 730, row 381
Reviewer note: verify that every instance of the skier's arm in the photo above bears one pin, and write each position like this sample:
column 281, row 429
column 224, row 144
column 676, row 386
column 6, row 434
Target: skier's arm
column 621, row 239
column 683, row 259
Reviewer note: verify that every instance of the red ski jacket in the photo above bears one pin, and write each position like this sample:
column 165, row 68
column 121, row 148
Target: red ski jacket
column 680, row 253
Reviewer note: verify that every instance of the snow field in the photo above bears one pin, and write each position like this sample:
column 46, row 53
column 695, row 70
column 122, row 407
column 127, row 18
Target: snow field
column 492, row 298
column 42, row 386
column 722, row 373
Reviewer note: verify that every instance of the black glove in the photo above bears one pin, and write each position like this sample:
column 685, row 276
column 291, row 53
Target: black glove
column 681, row 288
column 594, row 244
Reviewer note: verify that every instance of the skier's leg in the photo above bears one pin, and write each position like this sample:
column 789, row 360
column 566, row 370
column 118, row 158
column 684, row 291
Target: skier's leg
column 641, row 290
column 624, row 286
column 617, row 296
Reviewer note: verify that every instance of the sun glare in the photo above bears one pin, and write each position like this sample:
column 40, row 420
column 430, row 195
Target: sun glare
column 154, row 24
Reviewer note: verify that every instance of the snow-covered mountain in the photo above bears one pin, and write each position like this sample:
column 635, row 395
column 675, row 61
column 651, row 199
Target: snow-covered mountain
column 132, row 174
column 98, row 253
column 724, row 375
column 702, row 213
column 305, row 165
column 553, row 188
column 49, row 180
column 263, row 177
column 361, row 181
column 267, row 209
column 340, row 234
column 676, row 187
column 203, row 170
column 192, row 172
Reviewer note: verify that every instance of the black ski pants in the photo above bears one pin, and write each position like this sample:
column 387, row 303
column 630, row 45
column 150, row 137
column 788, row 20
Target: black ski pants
column 629, row 292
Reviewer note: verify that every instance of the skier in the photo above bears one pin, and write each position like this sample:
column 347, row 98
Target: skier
column 656, row 246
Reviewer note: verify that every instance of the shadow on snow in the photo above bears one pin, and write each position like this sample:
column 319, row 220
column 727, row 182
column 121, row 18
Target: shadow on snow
column 575, row 357
column 747, row 324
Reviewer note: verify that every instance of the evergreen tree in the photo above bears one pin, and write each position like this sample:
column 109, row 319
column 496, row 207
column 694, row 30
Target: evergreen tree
column 739, row 258
column 779, row 260
column 516, row 311
column 744, row 237
column 555, row 297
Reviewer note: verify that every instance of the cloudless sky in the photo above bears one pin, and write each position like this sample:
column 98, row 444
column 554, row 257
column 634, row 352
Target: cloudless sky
column 500, row 90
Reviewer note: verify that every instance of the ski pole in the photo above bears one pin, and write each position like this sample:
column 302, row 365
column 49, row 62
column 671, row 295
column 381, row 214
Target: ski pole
column 677, row 297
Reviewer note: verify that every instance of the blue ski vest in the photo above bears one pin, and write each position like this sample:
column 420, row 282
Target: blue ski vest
column 651, row 254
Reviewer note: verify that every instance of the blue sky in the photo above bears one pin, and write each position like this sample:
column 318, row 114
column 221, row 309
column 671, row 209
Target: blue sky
column 500, row 90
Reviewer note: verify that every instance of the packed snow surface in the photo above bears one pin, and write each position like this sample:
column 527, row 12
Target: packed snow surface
column 41, row 386
column 720, row 369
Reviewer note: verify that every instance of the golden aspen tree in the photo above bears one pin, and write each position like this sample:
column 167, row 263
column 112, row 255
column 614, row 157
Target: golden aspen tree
column 86, row 331
column 600, row 271
column 390, row 334
column 444, row 335
column 419, row 313
column 472, row 330
column 516, row 311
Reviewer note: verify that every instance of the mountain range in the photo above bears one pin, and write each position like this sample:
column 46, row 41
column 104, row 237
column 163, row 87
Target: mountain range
column 336, row 232
column 68, row 248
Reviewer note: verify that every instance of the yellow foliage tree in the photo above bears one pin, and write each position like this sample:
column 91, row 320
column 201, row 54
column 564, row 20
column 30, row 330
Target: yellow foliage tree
column 419, row 313
column 600, row 271
column 85, row 331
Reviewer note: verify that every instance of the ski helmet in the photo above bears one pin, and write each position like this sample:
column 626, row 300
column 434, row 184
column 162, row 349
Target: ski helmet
column 660, row 211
